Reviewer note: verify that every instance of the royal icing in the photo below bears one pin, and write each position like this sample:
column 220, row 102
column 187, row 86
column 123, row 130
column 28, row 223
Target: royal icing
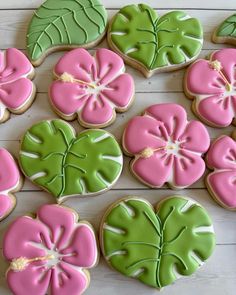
column 212, row 84
column 65, row 164
column 157, row 247
column 49, row 254
column 16, row 88
column 221, row 158
column 91, row 88
column 226, row 32
column 9, row 183
column 64, row 24
column 155, row 44
column 166, row 147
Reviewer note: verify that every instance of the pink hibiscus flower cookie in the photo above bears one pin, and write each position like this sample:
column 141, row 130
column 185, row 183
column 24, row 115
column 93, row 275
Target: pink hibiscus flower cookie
column 221, row 158
column 166, row 147
column 212, row 85
column 10, row 182
column 91, row 88
column 17, row 91
column 50, row 253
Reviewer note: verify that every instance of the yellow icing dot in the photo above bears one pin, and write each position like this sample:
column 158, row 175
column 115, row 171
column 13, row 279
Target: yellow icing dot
column 147, row 153
column 216, row 65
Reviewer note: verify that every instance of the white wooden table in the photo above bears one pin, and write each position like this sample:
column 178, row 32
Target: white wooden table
column 218, row 275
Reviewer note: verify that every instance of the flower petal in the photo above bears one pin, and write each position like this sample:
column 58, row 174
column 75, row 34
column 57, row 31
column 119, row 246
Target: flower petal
column 97, row 111
column 195, row 137
column 67, row 98
column 15, row 94
column 25, row 232
column 187, row 169
column 78, row 63
column 172, row 116
column 227, row 58
column 68, row 281
column 223, row 187
column 120, row 91
column 6, row 205
column 16, row 65
column 222, row 153
column 32, row 280
column 201, row 78
column 143, row 132
column 83, row 246
column 60, row 221
column 216, row 110
column 9, row 172
column 153, row 171
column 109, row 65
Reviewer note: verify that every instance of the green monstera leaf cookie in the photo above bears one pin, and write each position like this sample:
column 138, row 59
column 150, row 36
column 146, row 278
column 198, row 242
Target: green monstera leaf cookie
column 53, row 157
column 62, row 24
column 157, row 247
column 226, row 32
column 153, row 44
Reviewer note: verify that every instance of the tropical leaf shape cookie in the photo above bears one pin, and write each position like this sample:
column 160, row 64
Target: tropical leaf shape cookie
column 60, row 23
column 64, row 164
column 154, row 44
column 226, row 32
column 157, row 247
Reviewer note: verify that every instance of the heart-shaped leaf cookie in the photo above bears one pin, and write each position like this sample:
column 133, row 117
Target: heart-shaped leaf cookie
column 154, row 44
column 157, row 247
column 64, row 164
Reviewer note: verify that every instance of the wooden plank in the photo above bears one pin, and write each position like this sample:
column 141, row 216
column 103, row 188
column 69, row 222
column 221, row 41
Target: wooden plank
column 14, row 23
column 194, row 4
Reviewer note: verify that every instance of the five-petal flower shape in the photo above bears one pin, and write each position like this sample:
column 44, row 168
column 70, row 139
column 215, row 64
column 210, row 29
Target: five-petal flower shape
column 167, row 148
column 17, row 91
column 10, row 182
column 50, row 253
column 212, row 84
column 92, row 88
column 221, row 183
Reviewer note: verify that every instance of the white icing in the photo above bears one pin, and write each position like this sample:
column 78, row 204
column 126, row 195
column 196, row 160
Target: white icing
column 128, row 209
column 30, row 155
column 113, row 229
column 37, row 175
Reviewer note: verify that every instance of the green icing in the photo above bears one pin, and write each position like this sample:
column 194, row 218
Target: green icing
column 65, row 23
column 146, row 245
column 64, row 164
column 138, row 32
column 228, row 27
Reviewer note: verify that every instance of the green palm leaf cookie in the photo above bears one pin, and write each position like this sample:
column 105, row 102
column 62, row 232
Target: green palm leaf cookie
column 61, row 24
column 152, row 43
column 226, row 32
column 157, row 247
column 53, row 157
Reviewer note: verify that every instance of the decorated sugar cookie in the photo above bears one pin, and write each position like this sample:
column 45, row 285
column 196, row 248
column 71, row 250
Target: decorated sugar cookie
column 158, row 246
column 166, row 147
column 65, row 164
column 91, row 88
column 10, row 182
column 155, row 44
column 59, row 24
column 221, row 158
column 50, row 253
column 226, row 32
column 17, row 91
column 212, row 85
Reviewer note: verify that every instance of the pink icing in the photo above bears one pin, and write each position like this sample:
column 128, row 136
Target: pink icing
column 9, row 179
column 222, row 158
column 55, row 231
column 215, row 100
column 15, row 88
column 113, row 89
column 175, row 146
